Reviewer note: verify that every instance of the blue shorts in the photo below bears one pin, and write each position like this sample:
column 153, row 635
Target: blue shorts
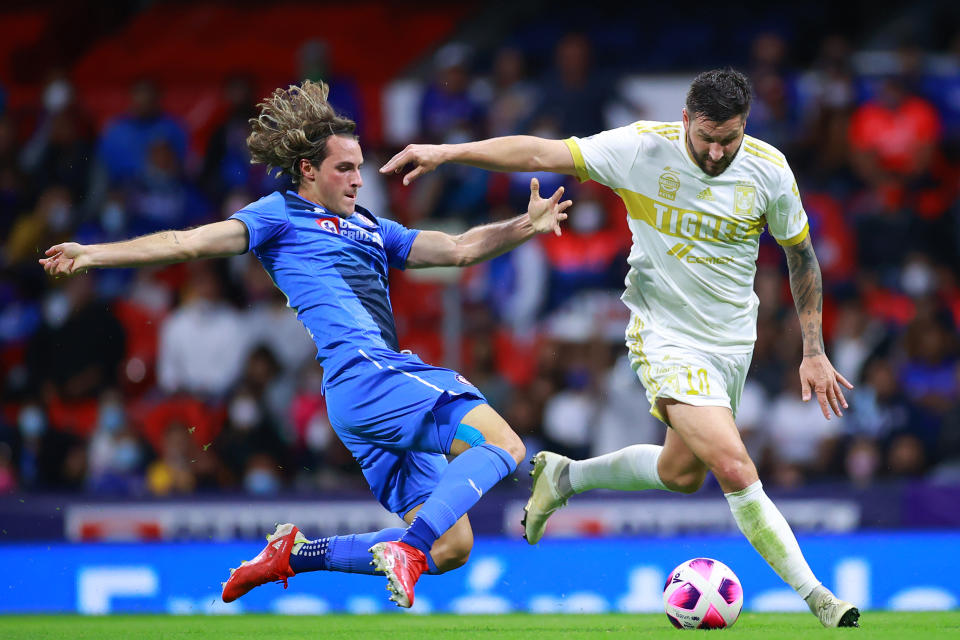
column 398, row 416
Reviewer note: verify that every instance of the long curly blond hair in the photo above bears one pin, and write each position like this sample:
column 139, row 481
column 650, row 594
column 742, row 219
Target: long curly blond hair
column 295, row 123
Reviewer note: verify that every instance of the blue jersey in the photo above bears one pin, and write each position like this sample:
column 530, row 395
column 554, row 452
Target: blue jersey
column 333, row 271
column 396, row 414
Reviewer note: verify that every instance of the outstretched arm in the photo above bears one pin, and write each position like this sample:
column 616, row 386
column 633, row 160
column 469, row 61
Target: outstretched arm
column 509, row 153
column 438, row 249
column 215, row 240
column 816, row 372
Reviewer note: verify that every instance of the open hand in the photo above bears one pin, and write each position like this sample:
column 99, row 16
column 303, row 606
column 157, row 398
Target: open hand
column 65, row 259
column 423, row 157
column 546, row 215
column 819, row 376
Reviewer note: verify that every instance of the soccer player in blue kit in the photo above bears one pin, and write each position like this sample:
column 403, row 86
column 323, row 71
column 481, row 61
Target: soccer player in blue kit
column 398, row 416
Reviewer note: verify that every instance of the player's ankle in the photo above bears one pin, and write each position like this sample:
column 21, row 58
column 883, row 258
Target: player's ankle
column 564, row 487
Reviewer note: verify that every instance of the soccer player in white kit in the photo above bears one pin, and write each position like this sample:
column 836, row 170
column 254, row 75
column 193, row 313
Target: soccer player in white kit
column 698, row 194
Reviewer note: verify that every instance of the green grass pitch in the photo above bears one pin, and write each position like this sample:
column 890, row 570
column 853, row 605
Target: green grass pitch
column 766, row 626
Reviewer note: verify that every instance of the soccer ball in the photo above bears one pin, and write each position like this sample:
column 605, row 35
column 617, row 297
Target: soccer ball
column 702, row 594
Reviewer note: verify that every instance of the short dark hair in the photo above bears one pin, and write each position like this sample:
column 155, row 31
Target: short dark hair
column 719, row 95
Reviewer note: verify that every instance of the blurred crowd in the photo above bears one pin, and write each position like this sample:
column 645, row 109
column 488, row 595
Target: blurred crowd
column 188, row 378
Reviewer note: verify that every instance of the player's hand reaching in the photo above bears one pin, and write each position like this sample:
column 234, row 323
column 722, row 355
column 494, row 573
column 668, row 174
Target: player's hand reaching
column 423, row 157
column 66, row 259
column 546, row 215
column 818, row 376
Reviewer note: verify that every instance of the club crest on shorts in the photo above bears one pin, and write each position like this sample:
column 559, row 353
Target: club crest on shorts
column 669, row 184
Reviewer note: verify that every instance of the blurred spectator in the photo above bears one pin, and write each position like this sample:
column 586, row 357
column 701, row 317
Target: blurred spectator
column 172, row 471
column 59, row 150
column 45, row 457
column 894, row 138
column 801, row 439
column 449, row 112
column 78, row 349
column 204, row 342
column 51, row 222
column 159, row 197
column 315, row 64
column 248, row 434
column 512, row 97
column 123, row 149
column 575, row 93
column 115, row 455
column 269, row 321
column 879, row 407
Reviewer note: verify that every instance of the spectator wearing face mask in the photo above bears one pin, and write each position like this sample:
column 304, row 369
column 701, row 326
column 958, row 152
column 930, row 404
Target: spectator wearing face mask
column 591, row 254
column 115, row 455
column 248, row 433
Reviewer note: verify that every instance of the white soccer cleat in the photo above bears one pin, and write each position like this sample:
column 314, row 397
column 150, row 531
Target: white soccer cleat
column 545, row 498
column 831, row 611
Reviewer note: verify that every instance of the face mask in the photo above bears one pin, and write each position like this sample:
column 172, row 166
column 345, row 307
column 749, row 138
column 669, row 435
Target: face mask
column 917, row 279
column 111, row 418
column 126, row 456
column 587, row 218
column 32, row 421
column 113, row 218
column 56, row 309
column 59, row 217
column 261, row 482
column 244, row 413
column 56, row 96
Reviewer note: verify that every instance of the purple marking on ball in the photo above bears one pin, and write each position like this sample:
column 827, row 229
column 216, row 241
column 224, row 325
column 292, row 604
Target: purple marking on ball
column 674, row 621
column 729, row 590
column 703, row 566
column 685, row 597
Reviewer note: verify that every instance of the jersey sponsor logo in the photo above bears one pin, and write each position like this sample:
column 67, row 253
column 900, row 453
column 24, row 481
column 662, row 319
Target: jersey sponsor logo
column 347, row 229
column 744, row 196
column 669, row 184
column 679, row 250
column 687, row 223
column 706, row 194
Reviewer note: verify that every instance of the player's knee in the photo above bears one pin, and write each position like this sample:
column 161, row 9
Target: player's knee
column 452, row 554
column 689, row 482
column 735, row 472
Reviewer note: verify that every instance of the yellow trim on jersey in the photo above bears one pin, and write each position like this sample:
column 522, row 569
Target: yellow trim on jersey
column 669, row 131
column 578, row 163
column 760, row 152
column 687, row 223
column 797, row 239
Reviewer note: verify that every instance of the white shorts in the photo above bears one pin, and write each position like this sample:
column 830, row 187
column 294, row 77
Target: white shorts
column 685, row 374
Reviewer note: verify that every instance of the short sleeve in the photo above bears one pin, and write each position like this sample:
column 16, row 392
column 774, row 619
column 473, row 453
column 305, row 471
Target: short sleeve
column 397, row 240
column 786, row 218
column 606, row 157
column 265, row 219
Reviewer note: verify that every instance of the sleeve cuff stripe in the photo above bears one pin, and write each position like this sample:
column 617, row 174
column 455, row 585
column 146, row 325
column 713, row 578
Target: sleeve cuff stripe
column 797, row 239
column 578, row 162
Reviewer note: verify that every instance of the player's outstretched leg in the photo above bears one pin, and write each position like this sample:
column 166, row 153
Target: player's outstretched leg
column 288, row 552
column 556, row 478
column 712, row 436
column 487, row 451
column 270, row 565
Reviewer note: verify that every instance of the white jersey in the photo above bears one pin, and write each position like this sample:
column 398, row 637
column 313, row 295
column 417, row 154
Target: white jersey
column 695, row 237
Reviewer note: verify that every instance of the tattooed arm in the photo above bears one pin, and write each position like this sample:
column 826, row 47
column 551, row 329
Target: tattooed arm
column 816, row 372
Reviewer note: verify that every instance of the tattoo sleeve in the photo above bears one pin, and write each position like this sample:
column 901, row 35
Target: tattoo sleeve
column 806, row 284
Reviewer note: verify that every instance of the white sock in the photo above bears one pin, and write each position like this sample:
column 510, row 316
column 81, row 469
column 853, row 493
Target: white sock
column 767, row 530
column 630, row 469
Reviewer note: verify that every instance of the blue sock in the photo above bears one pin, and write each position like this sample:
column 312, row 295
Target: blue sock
column 341, row 553
column 463, row 482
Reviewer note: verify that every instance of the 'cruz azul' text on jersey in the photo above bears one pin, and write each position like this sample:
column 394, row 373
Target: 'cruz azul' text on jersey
column 333, row 270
